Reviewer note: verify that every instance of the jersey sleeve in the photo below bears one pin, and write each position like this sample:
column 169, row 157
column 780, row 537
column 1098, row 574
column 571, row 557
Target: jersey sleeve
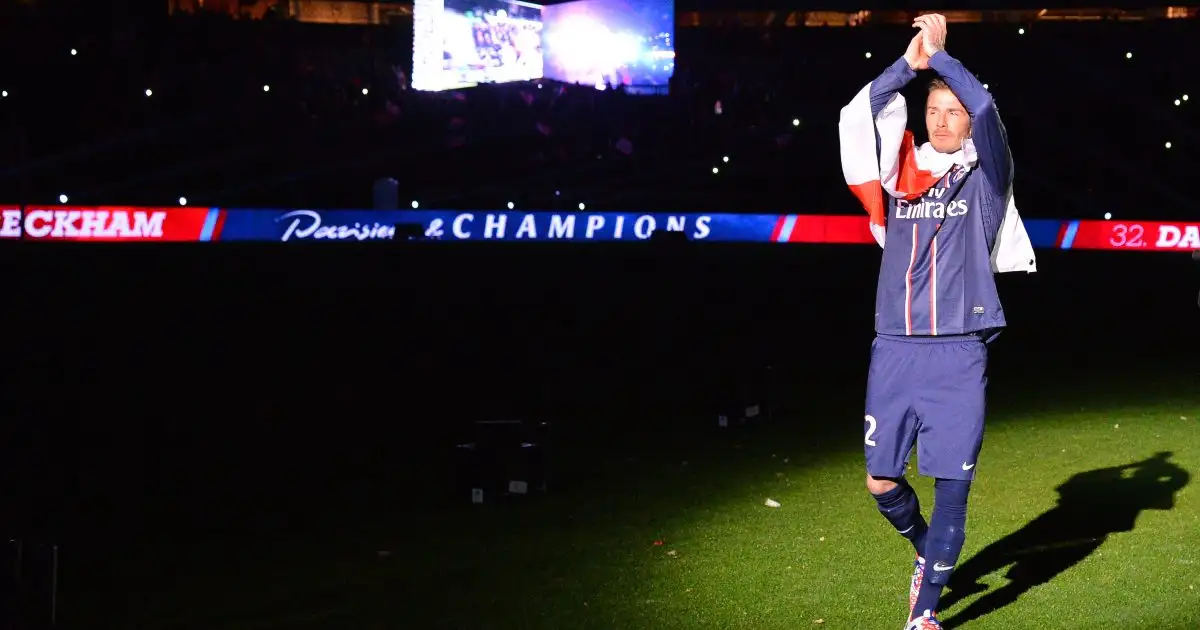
column 892, row 80
column 885, row 86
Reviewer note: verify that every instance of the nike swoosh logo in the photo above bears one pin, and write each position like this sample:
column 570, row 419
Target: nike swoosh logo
column 938, row 566
column 968, row 467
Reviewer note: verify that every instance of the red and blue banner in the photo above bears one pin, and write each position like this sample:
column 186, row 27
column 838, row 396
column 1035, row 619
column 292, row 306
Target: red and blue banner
column 110, row 223
column 193, row 224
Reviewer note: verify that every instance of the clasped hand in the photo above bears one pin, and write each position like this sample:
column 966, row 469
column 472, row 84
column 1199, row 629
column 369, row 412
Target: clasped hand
column 930, row 39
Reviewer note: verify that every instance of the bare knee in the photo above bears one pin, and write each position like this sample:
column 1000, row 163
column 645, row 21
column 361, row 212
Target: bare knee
column 880, row 485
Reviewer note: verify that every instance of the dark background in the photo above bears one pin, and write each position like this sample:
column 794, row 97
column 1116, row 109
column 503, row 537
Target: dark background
column 164, row 399
column 155, row 390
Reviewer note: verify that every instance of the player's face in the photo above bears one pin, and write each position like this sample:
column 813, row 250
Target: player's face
column 947, row 121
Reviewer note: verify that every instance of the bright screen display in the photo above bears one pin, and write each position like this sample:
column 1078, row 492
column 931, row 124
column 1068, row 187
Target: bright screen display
column 462, row 43
column 600, row 43
column 611, row 42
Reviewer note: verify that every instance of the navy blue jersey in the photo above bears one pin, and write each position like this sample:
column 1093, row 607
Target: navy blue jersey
column 936, row 275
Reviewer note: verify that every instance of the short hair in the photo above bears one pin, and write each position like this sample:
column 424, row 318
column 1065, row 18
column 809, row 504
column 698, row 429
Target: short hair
column 938, row 84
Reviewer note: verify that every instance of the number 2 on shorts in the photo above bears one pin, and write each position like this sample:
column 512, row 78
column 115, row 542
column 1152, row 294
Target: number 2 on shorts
column 871, row 426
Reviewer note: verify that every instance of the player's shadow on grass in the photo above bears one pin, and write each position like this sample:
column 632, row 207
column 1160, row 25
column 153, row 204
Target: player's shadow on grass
column 1091, row 506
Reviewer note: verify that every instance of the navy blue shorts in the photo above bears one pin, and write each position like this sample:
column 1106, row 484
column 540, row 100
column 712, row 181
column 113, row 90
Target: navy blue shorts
column 929, row 391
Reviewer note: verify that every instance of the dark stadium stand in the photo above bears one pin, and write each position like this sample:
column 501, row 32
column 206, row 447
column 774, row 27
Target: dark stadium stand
column 338, row 114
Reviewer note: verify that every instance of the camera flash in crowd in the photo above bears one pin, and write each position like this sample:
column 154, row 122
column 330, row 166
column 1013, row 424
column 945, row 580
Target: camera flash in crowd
column 183, row 201
column 1167, row 145
column 511, row 205
column 415, row 205
column 266, row 88
column 149, row 92
column 1107, row 216
column 582, row 207
column 63, row 199
column 74, row 52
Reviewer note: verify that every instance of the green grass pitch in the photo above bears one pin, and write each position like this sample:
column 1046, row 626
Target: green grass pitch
column 1077, row 522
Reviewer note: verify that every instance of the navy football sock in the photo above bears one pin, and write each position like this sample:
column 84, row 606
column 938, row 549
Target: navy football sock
column 947, row 531
column 903, row 510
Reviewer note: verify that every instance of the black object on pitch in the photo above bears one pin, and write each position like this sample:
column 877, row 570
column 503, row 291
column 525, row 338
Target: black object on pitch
column 753, row 401
column 505, row 458
column 668, row 237
column 405, row 232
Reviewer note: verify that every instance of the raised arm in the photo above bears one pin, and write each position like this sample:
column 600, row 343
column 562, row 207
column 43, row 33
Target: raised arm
column 895, row 77
column 892, row 80
column 987, row 132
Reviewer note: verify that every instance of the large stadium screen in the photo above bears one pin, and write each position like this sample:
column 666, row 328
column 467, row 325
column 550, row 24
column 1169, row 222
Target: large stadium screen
column 611, row 42
column 462, row 43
